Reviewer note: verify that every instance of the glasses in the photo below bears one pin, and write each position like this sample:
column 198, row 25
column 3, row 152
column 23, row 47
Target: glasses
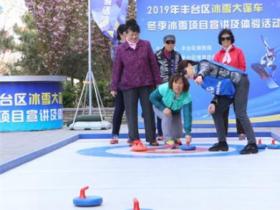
column 170, row 42
column 228, row 38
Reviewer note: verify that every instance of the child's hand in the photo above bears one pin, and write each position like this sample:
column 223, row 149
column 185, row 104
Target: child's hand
column 167, row 112
column 198, row 80
column 188, row 139
column 211, row 108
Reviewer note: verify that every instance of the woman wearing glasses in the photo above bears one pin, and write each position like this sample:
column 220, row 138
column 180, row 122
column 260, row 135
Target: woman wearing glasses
column 232, row 56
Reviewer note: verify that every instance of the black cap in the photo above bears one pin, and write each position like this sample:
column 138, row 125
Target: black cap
column 169, row 37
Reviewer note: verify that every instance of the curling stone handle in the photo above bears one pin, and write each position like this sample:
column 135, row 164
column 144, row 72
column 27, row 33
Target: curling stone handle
column 136, row 205
column 83, row 192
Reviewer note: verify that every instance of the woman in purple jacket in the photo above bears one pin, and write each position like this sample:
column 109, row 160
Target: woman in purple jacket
column 136, row 73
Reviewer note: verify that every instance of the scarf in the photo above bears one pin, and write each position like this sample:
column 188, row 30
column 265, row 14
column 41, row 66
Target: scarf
column 132, row 44
column 227, row 58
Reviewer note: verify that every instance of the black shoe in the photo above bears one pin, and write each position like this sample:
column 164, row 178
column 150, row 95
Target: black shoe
column 154, row 143
column 220, row 146
column 241, row 136
column 178, row 142
column 249, row 149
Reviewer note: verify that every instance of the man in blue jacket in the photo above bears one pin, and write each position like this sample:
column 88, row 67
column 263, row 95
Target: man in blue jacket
column 228, row 85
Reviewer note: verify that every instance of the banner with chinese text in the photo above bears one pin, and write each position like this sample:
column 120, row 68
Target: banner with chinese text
column 196, row 25
column 27, row 106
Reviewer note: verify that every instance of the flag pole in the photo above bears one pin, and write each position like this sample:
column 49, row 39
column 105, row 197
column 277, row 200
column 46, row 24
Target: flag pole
column 91, row 84
column 89, row 74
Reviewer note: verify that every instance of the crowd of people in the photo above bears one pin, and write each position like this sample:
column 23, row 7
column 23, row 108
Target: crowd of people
column 160, row 81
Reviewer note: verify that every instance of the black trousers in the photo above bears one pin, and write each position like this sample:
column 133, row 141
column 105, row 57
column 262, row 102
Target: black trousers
column 131, row 98
column 118, row 113
column 240, row 100
column 239, row 127
column 159, row 128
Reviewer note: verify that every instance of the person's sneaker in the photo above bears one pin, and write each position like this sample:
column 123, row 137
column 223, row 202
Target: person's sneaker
column 170, row 142
column 131, row 142
column 178, row 142
column 241, row 136
column 154, row 143
column 159, row 138
column 114, row 140
column 220, row 146
column 249, row 149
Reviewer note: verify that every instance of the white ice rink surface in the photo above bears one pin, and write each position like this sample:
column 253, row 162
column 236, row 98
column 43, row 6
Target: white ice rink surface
column 229, row 182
